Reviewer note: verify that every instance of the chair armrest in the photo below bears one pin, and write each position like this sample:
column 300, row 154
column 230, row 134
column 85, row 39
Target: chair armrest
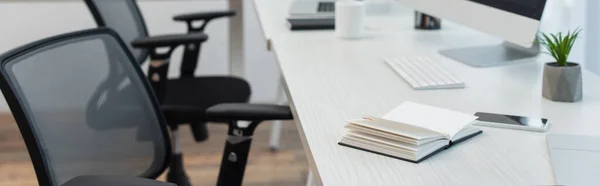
column 159, row 66
column 203, row 15
column 248, row 112
column 169, row 40
column 114, row 180
column 190, row 56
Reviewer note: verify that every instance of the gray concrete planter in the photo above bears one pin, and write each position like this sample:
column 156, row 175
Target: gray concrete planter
column 562, row 84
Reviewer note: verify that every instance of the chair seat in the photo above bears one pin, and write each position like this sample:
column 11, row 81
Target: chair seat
column 187, row 99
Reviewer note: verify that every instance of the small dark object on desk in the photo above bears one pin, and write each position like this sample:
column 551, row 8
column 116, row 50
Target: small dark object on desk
column 311, row 24
column 427, row 22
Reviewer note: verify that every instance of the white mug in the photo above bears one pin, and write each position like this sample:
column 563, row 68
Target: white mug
column 349, row 19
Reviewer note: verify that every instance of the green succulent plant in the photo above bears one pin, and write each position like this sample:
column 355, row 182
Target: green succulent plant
column 559, row 46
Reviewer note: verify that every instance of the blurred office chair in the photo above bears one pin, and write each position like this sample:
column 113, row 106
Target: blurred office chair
column 183, row 100
column 186, row 99
column 87, row 114
column 109, row 13
column 85, row 111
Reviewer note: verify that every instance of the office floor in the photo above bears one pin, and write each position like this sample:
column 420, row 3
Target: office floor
column 285, row 167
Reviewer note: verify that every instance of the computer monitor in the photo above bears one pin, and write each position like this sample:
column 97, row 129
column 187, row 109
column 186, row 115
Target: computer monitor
column 515, row 21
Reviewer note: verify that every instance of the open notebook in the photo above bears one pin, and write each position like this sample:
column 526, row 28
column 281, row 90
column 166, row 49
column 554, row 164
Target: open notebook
column 411, row 132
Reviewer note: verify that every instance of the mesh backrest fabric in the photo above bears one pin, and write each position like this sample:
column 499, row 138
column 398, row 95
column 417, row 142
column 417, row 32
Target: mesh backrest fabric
column 124, row 17
column 88, row 108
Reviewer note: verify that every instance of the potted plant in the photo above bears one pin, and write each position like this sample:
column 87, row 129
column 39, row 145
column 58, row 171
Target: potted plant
column 562, row 79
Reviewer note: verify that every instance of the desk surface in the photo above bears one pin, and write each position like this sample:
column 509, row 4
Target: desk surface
column 331, row 80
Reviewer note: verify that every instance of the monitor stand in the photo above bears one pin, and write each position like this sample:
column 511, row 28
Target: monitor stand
column 489, row 56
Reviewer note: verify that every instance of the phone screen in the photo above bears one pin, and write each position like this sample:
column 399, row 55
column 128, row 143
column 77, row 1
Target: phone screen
column 512, row 120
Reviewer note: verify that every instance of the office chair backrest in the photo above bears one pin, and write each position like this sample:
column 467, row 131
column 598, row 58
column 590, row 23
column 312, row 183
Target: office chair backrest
column 84, row 107
column 124, row 17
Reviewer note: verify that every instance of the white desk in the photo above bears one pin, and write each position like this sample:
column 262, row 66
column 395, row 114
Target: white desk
column 330, row 80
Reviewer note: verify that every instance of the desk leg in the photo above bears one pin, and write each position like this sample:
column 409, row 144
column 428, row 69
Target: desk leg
column 310, row 180
column 275, row 136
column 236, row 39
column 274, row 140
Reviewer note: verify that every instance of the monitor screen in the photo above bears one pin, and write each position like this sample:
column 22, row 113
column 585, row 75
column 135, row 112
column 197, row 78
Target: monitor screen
column 515, row 21
column 528, row 8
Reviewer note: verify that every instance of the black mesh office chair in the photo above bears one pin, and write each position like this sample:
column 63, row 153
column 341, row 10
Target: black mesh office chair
column 186, row 99
column 183, row 98
column 89, row 118
column 85, row 111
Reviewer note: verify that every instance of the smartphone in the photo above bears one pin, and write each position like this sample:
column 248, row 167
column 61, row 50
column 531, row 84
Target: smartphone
column 512, row 122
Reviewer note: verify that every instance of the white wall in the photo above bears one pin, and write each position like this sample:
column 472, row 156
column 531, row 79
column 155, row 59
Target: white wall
column 261, row 66
column 592, row 46
column 565, row 15
column 23, row 22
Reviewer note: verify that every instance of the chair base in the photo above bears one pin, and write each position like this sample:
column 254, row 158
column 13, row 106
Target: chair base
column 176, row 172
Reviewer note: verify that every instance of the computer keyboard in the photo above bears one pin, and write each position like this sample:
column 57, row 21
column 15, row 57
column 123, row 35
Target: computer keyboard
column 326, row 7
column 423, row 73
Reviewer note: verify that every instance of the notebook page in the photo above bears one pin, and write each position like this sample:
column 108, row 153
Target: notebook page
column 444, row 121
column 396, row 128
column 352, row 128
column 465, row 132
column 377, row 139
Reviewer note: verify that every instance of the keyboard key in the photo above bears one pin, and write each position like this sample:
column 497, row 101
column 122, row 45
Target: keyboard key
column 423, row 73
